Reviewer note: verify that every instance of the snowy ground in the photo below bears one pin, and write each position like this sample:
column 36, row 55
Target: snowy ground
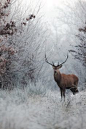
column 25, row 109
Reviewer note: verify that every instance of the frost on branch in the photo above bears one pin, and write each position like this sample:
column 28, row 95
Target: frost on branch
column 8, row 29
column 5, row 62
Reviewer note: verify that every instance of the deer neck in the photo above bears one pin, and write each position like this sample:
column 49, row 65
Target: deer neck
column 57, row 76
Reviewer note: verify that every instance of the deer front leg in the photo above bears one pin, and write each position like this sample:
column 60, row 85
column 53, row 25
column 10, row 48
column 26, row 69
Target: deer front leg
column 64, row 93
column 61, row 93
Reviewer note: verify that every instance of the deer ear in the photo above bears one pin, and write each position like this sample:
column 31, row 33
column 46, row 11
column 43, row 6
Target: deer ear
column 59, row 66
column 53, row 67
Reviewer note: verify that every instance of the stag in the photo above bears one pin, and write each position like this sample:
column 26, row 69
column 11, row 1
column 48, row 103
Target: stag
column 64, row 81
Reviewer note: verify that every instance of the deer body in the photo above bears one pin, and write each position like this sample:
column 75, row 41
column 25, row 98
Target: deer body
column 64, row 81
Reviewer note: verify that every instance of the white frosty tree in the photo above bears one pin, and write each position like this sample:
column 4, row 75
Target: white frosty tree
column 21, row 45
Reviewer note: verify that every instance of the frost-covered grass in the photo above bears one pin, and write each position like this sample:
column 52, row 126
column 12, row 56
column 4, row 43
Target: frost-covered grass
column 36, row 107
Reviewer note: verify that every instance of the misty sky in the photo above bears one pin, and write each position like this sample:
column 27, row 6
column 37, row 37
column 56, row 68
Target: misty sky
column 48, row 7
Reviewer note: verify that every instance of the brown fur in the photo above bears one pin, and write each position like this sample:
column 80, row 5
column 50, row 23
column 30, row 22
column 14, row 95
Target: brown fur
column 64, row 81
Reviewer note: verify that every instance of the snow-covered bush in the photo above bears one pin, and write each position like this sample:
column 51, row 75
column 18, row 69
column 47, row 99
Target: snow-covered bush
column 21, row 45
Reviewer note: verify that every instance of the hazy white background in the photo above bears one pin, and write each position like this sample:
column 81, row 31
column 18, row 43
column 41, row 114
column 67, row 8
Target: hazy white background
column 39, row 107
column 60, row 38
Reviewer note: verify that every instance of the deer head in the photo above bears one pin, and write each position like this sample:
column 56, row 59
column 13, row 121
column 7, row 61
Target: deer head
column 55, row 67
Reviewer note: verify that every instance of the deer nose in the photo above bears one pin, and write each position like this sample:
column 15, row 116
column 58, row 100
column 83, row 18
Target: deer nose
column 55, row 71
